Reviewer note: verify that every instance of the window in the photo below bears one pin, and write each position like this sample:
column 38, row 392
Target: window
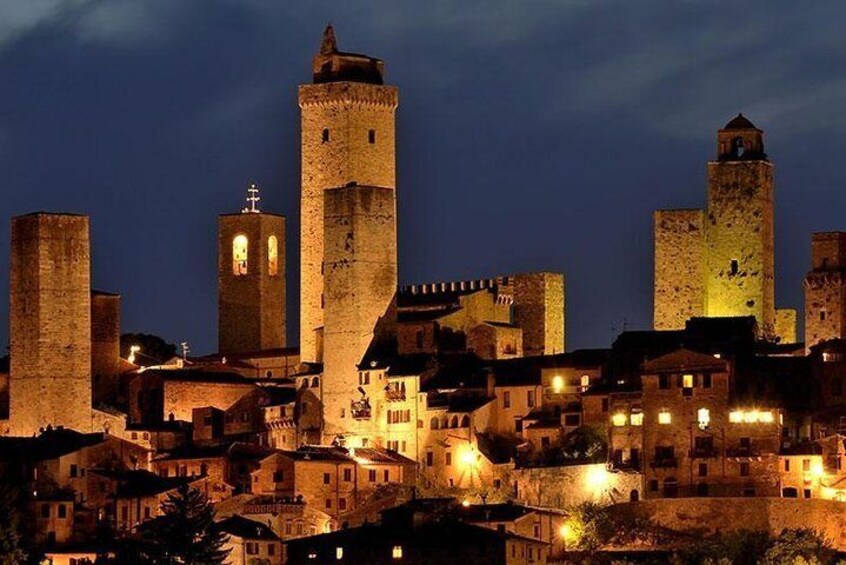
column 386, row 474
column 371, row 475
column 664, row 417
column 240, row 246
column 585, row 382
column 822, row 315
column 63, row 511
column 328, row 503
column 557, row 384
column 636, row 418
column 271, row 549
column 663, row 382
column 364, row 378
column 327, row 478
column 733, row 267
column 744, row 469
column 45, row 510
column 703, row 416
column 277, row 476
column 147, row 513
column 687, row 381
column 545, row 441
column 396, row 552
column 448, row 458
column 434, row 423
column 634, row 495
column 506, row 399
column 787, row 465
column 325, row 135
column 706, row 380
column 430, row 460
column 339, row 553
column 371, row 136
column 342, row 504
column 530, row 398
column 807, row 493
column 619, row 419
column 252, row 548
column 347, row 475
column 703, row 469
column 272, row 256
column 806, row 465
column 74, row 470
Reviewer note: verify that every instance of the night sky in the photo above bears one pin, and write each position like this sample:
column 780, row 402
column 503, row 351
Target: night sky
column 531, row 135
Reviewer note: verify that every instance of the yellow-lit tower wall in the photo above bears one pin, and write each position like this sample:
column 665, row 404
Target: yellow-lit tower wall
column 348, row 135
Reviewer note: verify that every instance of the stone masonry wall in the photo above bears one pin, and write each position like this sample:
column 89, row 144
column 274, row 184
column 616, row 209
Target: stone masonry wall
column 539, row 311
column 105, row 346
column 825, row 289
column 347, row 112
column 50, row 323
column 740, row 262
column 361, row 283
column 679, row 267
column 251, row 307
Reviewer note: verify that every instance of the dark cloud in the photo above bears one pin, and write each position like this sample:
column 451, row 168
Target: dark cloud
column 532, row 135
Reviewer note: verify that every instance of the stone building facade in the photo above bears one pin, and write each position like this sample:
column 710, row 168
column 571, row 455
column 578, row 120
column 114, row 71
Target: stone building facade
column 50, row 379
column 539, row 311
column 825, row 289
column 348, row 136
column 719, row 262
column 251, row 282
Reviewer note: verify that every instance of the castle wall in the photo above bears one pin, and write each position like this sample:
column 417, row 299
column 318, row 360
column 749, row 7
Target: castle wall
column 566, row 486
column 251, row 306
column 740, row 262
column 50, row 317
column 679, row 267
column 347, row 111
column 105, row 346
column 539, row 311
column 361, row 283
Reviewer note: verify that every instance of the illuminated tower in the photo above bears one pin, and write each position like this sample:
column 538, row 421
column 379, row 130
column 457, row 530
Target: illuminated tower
column 348, row 136
column 825, row 289
column 50, row 315
column 251, row 279
column 739, row 227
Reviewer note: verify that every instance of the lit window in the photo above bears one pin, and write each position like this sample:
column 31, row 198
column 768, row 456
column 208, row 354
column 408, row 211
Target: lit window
column 664, row 417
column 704, row 417
column 339, row 553
column 735, row 417
column 312, row 555
column 619, row 419
column 687, row 381
column 272, row 256
column 637, row 418
column 557, row 383
column 766, row 417
column 396, row 553
column 585, row 382
column 239, row 255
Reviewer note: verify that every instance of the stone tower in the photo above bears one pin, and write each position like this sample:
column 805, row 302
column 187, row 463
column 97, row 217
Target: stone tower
column 360, row 288
column 539, row 311
column 251, row 280
column 825, row 289
column 105, row 346
column 720, row 261
column 50, row 315
column 348, row 135
column 739, row 230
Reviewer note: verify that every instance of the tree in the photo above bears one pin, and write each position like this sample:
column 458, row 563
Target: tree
column 183, row 535
column 798, row 546
column 154, row 350
column 11, row 550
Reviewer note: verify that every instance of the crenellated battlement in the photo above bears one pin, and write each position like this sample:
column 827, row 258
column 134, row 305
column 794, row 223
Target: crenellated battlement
column 503, row 285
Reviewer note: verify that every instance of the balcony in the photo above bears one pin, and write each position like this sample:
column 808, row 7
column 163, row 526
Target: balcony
column 628, row 465
column 703, row 453
column 664, row 463
column 395, row 395
column 742, row 451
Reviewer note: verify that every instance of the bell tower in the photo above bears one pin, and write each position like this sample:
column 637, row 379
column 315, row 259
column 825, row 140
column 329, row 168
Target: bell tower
column 348, row 136
column 739, row 227
column 251, row 279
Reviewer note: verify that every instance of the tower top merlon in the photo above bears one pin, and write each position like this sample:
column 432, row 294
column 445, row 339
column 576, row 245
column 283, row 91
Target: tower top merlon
column 740, row 140
column 332, row 65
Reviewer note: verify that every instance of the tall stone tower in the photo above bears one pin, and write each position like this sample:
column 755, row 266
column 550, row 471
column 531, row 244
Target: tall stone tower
column 539, row 311
column 825, row 289
column 720, row 261
column 105, row 346
column 740, row 259
column 251, row 279
column 360, row 288
column 50, row 315
column 348, row 135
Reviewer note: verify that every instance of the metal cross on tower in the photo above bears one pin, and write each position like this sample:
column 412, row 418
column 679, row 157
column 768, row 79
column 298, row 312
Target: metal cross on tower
column 252, row 200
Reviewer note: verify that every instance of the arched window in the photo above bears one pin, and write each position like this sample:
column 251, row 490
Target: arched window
column 738, row 146
column 315, row 382
column 434, row 423
column 239, row 255
column 454, row 422
column 465, row 421
column 634, row 495
column 272, row 256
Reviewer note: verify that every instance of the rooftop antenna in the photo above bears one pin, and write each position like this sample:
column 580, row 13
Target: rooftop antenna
column 185, row 350
column 252, row 200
